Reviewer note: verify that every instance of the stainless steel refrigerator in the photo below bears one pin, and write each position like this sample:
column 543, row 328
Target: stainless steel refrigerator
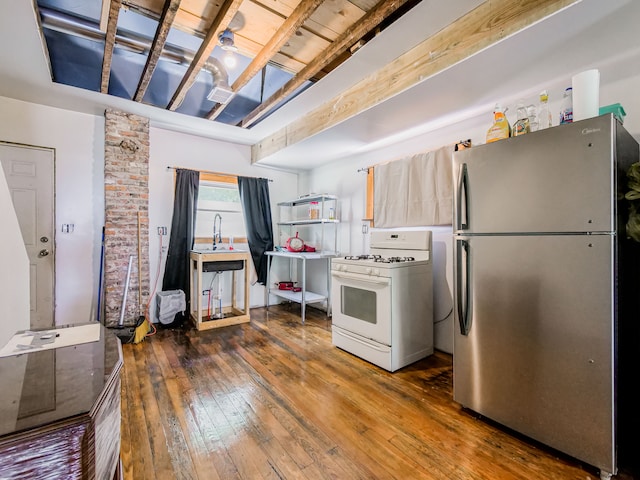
column 542, row 283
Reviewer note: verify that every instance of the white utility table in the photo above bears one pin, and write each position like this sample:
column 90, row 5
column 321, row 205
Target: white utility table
column 303, row 297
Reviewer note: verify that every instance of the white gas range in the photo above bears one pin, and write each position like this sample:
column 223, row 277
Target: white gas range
column 382, row 303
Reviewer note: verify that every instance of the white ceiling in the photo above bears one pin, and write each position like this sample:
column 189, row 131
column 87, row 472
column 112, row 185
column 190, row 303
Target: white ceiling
column 578, row 37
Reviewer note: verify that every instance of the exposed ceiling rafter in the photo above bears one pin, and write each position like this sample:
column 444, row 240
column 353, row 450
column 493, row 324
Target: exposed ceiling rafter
column 288, row 28
column 109, row 44
column 164, row 25
column 220, row 22
column 366, row 24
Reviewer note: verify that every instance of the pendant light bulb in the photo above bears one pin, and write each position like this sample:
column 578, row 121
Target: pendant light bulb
column 230, row 59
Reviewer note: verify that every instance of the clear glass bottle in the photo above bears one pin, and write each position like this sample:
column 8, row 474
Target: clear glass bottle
column 532, row 113
column 544, row 114
column 566, row 111
column 521, row 125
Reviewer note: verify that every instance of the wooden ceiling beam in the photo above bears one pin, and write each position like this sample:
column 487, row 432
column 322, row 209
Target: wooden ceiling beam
column 288, row 28
column 104, row 15
column 222, row 20
column 366, row 24
column 482, row 27
column 109, row 44
column 164, row 25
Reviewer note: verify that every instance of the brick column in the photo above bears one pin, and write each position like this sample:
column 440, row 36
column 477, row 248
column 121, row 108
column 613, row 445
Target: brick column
column 126, row 192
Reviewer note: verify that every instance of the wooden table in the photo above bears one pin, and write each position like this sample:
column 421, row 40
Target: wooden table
column 233, row 315
column 60, row 411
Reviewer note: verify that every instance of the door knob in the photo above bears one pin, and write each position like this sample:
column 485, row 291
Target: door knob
column 44, row 239
column 43, row 253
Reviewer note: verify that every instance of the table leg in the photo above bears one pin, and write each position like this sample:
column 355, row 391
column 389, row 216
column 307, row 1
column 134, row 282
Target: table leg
column 304, row 287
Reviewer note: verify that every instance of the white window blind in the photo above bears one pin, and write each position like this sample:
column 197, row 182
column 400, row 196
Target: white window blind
column 414, row 191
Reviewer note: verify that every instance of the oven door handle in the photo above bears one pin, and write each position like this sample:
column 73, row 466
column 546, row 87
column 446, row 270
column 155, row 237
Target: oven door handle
column 362, row 278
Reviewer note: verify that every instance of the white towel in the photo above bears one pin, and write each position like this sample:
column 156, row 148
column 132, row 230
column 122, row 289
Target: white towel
column 414, row 191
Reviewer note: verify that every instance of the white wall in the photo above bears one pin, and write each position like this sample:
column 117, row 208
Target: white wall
column 78, row 140
column 14, row 274
column 168, row 148
column 620, row 79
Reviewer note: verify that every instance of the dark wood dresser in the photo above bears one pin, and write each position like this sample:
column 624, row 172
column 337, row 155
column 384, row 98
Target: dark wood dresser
column 60, row 411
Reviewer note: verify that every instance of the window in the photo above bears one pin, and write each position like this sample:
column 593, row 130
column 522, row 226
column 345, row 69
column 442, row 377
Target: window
column 219, row 195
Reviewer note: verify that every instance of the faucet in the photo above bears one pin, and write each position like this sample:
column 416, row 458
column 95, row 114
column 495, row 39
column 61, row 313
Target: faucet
column 217, row 232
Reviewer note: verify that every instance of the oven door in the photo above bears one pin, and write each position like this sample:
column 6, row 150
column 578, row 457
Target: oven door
column 361, row 304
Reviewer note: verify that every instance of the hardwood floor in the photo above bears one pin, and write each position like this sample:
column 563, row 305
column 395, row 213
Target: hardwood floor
column 274, row 399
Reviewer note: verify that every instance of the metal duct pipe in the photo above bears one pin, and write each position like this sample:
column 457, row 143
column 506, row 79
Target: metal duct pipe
column 134, row 42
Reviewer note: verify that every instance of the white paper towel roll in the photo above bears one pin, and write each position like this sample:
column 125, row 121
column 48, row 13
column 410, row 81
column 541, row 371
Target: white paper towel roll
column 586, row 94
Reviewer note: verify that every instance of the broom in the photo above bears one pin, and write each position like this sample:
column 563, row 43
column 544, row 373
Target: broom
column 142, row 325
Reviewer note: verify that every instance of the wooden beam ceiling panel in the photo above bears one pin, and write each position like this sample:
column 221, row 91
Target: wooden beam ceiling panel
column 288, row 28
column 164, row 25
column 367, row 23
column 484, row 26
column 109, row 44
column 364, row 5
column 333, row 17
column 287, row 64
column 228, row 10
column 304, row 46
column 260, row 23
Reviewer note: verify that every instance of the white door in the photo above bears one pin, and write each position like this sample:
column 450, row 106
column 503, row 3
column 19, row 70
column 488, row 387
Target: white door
column 29, row 172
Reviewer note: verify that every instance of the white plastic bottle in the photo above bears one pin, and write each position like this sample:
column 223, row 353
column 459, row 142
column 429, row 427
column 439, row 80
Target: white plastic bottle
column 544, row 114
column 566, row 111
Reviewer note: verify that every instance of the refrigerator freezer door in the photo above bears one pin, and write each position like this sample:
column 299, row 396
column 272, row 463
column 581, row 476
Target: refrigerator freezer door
column 538, row 351
column 555, row 180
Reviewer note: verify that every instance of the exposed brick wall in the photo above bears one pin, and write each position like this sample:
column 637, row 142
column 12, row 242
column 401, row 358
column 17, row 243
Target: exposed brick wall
column 126, row 192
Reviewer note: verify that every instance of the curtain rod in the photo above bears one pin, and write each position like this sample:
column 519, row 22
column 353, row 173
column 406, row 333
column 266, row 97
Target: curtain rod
column 213, row 173
column 456, row 146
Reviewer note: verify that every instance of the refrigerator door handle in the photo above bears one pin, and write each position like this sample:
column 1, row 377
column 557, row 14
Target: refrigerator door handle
column 462, row 285
column 461, row 199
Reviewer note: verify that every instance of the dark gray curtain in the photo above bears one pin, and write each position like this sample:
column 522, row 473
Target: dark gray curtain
column 183, row 224
column 256, row 208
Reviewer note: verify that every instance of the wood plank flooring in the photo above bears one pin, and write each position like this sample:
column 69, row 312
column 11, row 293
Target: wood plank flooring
column 274, row 399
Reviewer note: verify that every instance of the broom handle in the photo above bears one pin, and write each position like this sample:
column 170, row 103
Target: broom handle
column 124, row 295
column 139, row 270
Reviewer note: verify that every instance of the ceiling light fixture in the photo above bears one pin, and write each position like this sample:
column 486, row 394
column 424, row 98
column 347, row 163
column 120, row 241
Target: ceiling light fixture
column 228, row 45
column 226, row 40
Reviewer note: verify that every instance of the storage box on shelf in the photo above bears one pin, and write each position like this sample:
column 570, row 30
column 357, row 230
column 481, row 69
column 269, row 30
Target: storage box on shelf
column 313, row 214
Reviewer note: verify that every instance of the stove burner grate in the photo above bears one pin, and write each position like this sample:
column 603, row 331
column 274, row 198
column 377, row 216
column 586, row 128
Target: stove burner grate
column 380, row 258
column 395, row 259
column 363, row 257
